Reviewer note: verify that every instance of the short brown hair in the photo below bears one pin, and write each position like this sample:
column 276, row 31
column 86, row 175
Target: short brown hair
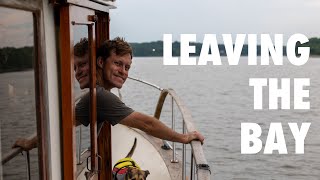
column 81, row 48
column 118, row 46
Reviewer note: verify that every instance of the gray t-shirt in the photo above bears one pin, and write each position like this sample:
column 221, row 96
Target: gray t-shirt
column 109, row 108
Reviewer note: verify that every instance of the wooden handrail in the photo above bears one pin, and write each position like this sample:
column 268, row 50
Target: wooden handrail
column 197, row 150
column 11, row 154
column 187, row 119
column 15, row 151
column 160, row 103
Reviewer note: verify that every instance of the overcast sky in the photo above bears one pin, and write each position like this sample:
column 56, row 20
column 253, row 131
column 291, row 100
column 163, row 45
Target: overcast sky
column 16, row 28
column 145, row 20
column 148, row 20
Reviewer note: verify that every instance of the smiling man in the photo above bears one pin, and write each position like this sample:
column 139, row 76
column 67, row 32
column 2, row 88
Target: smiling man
column 113, row 65
column 114, row 59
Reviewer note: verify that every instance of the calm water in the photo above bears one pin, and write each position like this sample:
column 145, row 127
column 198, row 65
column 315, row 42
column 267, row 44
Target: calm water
column 17, row 109
column 220, row 99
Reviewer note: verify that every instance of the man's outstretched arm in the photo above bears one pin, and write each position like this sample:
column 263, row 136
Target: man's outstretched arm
column 157, row 129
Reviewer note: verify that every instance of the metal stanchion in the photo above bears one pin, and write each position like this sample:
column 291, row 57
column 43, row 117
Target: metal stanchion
column 28, row 165
column 183, row 154
column 174, row 158
column 79, row 147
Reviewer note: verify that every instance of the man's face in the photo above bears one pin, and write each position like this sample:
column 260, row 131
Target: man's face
column 81, row 68
column 116, row 70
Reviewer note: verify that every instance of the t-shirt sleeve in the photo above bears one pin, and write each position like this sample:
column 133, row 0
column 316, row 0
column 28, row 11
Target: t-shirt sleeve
column 109, row 108
column 82, row 110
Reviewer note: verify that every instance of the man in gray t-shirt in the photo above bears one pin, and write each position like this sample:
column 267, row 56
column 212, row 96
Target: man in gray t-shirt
column 113, row 64
column 114, row 59
column 109, row 108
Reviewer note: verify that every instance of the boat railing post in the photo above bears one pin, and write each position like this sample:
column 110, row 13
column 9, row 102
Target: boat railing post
column 174, row 158
column 192, row 167
column 28, row 165
column 79, row 146
column 183, row 153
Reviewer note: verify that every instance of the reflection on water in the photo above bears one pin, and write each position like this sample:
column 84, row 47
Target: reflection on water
column 17, row 109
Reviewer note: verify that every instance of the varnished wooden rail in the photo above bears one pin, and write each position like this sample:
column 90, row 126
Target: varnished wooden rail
column 202, row 168
column 13, row 153
column 10, row 155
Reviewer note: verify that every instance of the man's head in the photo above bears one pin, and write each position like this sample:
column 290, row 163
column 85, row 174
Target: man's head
column 81, row 63
column 114, row 58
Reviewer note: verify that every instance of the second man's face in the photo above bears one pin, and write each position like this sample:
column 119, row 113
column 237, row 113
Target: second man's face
column 81, row 68
column 116, row 70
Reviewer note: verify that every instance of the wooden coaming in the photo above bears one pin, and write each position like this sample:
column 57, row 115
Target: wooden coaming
column 187, row 119
column 67, row 101
column 104, row 138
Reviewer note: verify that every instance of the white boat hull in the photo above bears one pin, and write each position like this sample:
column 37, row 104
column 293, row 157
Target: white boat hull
column 145, row 154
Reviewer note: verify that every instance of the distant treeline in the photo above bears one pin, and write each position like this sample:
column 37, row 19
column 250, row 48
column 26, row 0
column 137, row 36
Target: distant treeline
column 16, row 59
column 156, row 48
column 314, row 44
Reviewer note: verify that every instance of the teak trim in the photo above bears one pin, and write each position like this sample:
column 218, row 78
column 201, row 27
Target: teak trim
column 69, row 15
column 67, row 102
column 104, row 138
